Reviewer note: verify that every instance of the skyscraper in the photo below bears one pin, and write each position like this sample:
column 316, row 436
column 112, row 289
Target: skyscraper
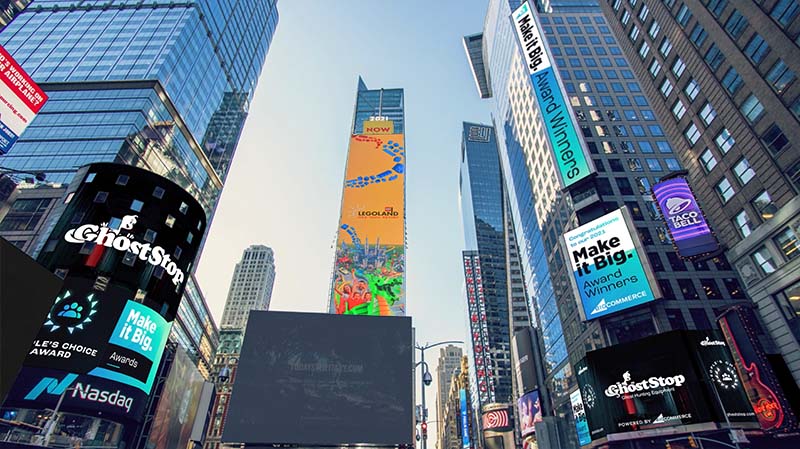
column 725, row 86
column 369, row 265
column 629, row 151
column 449, row 362
column 194, row 328
column 149, row 85
column 486, row 265
column 251, row 286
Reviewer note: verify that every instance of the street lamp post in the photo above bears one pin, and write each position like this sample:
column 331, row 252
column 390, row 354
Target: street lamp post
column 427, row 379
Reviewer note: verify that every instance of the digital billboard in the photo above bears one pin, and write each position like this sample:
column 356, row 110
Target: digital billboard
column 569, row 150
column 685, row 221
column 20, row 100
column 579, row 414
column 497, row 420
column 530, row 412
column 177, row 405
column 369, row 265
column 688, row 379
column 462, row 397
column 610, row 271
column 333, row 380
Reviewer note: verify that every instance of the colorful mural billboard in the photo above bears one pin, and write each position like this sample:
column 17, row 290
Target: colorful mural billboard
column 369, row 265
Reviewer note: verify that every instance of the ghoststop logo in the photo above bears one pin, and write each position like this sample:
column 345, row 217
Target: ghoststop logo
column 648, row 387
column 723, row 373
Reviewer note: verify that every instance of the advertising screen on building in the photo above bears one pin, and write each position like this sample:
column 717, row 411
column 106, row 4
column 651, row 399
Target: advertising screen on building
column 478, row 325
column 20, row 100
column 333, row 380
column 569, row 149
column 685, row 221
column 530, row 412
column 462, row 397
column 177, row 406
column 497, row 420
column 369, row 265
column 579, row 413
column 610, row 271
column 685, row 373
column 523, row 359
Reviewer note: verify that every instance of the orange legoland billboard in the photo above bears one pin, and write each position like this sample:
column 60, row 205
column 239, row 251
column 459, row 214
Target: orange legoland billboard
column 369, row 266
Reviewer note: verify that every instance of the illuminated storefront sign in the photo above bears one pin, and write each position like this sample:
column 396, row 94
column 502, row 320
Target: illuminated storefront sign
column 685, row 220
column 569, row 152
column 497, row 421
column 20, row 100
column 369, row 266
column 610, row 273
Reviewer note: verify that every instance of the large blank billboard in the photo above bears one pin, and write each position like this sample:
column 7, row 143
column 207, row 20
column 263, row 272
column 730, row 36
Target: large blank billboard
column 323, row 380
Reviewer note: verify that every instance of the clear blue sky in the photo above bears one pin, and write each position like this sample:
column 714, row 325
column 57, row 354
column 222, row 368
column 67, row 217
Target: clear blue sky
column 285, row 184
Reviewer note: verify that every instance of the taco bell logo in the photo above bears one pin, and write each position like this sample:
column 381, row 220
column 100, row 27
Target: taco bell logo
column 681, row 213
column 113, row 238
column 676, row 204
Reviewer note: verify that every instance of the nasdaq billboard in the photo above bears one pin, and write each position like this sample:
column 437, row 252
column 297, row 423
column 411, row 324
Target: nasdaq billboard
column 569, row 150
column 20, row 100
column 685, row 221
column 610, row 271
column 369, row 265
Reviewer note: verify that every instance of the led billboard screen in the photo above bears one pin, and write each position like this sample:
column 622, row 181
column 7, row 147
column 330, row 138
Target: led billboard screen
column 685, row 373
column 569, row 152
column 333, row 380
column 497, row 420
column 579, row 413
column 530, row 412
column 462, row 397
column 610, row 272
column 685, row 220
column 20, row 100
column 369, row 266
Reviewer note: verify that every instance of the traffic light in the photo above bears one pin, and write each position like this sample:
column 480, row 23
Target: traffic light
column 424, row 427
column 692, row 442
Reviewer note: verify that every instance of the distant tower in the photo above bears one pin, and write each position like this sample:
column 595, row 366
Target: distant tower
column 251, row 286
column 449, row 363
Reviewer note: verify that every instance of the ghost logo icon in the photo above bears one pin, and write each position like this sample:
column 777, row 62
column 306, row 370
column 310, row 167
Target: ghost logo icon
column 128, row 221
column 676, row 204
column 626, row 376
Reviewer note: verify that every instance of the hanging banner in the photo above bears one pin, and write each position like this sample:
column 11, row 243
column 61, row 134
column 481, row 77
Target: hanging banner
column 578, row 412
column 569, row 150
column 20, row 100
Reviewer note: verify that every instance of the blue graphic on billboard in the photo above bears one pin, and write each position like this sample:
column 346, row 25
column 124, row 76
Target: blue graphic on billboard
column 578, row 412
column 465, row 443
column 685, row 220
column 609, row 273
column 569, row 150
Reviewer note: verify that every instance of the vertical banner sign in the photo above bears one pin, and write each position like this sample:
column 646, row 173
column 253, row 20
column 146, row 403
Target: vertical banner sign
column 465, row 443
column 578, row 412
column 610, row 272
column 479, row 327
column 530, row 412
column 369, row 266
column 569, row 150
column 685, row 220
column 20, row 100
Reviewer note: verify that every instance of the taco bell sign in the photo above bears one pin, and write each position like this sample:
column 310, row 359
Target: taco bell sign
column 685, row 220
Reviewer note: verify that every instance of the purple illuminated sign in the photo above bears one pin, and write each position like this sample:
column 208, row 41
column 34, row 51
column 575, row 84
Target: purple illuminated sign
column 685, row 220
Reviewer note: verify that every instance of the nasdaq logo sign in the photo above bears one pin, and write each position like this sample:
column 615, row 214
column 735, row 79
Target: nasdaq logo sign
column 569, row 150
column 51, row 385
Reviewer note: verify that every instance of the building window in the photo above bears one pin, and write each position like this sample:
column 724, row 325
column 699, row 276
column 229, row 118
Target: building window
column 762, row 203
column 644, row 12
column 653, row 30
column 707, row 160
column 725, row 190
column 634, row 33
column 736, row 25
column 24, row 214
column 744, row 172
column 101, row 197
column 785, row 11
column 692, row 89
column 122, row 180
column 724, row 140
column 734, row 289
column 653, row 165
column 655, row 262
column 666, row 87
column 787, row 242
column 716, row 7
column 707, row 114
column 763, row 259
column 757, row 49
column 775, row 139
column 743, row 224
column 700, row 319
column 780, row 76
column 732, row 81
column 626, row 17
column 655, row 67
column 665, row 48
column 711, row 289
column 136, row 205
column 714, row 57
column 698, row 35
column 790, row 301
column 692, row 133
column 675, row 262
column 687, row 289
column 683, row 16
column 678, row 67
column 752, row 109
column 644, row 49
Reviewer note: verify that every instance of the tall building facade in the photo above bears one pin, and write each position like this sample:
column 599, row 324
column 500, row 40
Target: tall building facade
column 629, row 150
column 145, row 85
column 251, row 286
column 458, row 422
column 369, row 265
column 194, row 328
column 226, row 364
column 724, row 85
column 492, row 308
column 449, row 362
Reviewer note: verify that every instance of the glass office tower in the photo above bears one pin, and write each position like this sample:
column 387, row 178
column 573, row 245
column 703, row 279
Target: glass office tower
column 630, row 152
column 152, row 85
